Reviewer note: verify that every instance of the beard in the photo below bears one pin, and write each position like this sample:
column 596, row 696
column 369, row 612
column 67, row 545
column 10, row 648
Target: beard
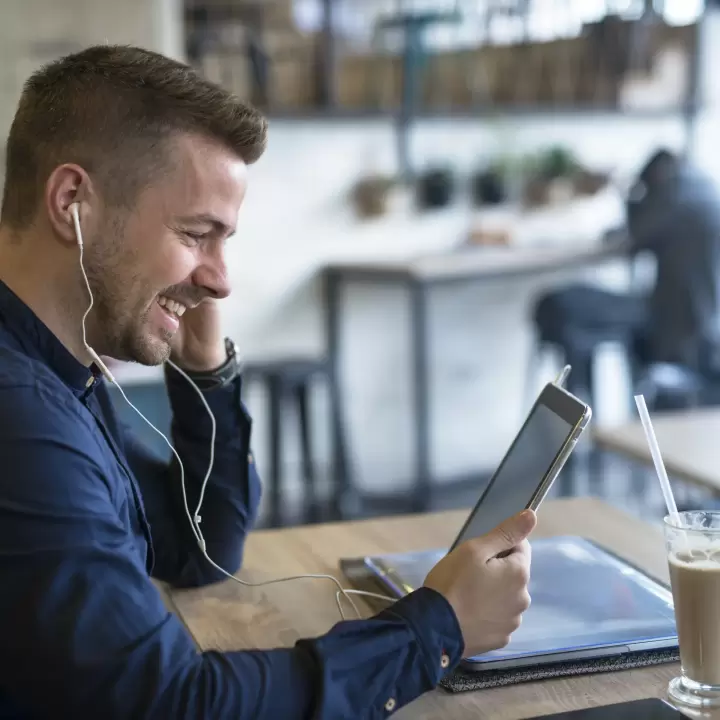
column 122, row 301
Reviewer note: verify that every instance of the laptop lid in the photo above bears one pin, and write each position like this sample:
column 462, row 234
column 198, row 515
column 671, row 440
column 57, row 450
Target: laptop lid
column 586, row 602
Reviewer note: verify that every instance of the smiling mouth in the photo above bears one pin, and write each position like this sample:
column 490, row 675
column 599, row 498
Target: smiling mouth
column 172, row 307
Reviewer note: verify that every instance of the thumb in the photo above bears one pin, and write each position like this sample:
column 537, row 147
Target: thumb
column 509, row 534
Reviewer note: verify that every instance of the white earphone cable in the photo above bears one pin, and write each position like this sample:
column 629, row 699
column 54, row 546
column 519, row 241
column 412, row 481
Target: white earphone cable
column 195, row 519
column 78, row 235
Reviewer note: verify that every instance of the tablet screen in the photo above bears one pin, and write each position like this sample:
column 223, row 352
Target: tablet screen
column 522, row 470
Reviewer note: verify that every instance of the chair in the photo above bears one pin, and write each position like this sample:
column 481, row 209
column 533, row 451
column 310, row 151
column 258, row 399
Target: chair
column 560, row 324
column 668, row 386
column 578, row 349
column 286, row 381
column 577, row 344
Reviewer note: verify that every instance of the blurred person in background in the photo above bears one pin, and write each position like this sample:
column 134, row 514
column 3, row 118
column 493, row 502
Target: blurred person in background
column 151, row 161
column 673, row 213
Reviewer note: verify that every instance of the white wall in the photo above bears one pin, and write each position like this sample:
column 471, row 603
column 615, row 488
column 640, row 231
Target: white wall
column 706, row 140
column 33, row 32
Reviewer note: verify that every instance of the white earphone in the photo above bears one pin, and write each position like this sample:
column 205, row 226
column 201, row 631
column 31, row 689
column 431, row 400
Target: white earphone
column 75, row 212
column 195, row 518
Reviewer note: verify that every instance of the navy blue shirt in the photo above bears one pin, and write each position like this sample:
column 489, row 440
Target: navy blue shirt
column 88, row 516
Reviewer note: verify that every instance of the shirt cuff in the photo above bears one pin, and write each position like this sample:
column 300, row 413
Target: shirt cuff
column 434, row 623
column 191, row 415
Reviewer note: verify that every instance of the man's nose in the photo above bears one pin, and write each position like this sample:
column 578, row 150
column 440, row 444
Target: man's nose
column 212, row 275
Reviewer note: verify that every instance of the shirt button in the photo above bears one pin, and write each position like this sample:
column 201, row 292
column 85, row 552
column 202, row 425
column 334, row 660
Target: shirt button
column 390, row 705
column 444, row 661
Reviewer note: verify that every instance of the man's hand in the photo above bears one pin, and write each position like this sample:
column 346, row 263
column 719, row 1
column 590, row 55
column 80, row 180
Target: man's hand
column 485, row 580
column 198, row 345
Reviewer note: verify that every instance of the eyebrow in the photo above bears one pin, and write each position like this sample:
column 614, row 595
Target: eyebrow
column 208, row 219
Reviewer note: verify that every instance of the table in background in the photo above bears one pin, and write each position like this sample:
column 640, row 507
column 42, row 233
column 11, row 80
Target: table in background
column 228, row 616
column 688, row 442
column 419, row 276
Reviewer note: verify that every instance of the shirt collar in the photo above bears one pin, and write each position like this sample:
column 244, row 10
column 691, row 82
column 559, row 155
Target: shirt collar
column 37, row 341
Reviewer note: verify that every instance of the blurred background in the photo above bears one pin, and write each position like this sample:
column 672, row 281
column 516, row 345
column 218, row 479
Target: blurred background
column 439, row 173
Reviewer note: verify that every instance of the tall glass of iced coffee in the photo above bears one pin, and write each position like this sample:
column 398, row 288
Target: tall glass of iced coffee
column 693, row 546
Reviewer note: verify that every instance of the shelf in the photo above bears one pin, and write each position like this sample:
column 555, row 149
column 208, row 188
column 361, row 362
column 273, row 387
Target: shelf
column 589, row 112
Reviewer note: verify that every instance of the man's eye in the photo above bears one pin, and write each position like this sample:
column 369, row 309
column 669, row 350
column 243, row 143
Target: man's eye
column 194, row 237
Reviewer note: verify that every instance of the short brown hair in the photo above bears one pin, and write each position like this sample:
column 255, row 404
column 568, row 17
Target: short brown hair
column 111, row 108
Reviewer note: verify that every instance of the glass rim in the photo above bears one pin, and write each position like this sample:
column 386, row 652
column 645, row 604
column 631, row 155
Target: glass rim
column 668, row 522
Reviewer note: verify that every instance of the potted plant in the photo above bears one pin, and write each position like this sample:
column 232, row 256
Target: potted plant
column 370, row 195
column 550, row 176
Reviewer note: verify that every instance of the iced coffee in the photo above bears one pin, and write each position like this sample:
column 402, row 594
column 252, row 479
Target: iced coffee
column 693, row 544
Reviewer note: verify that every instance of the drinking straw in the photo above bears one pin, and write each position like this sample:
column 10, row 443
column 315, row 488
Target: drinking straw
column 657, row 459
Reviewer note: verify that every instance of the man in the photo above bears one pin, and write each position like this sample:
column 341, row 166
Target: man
column 673, row 213
column 154, row 158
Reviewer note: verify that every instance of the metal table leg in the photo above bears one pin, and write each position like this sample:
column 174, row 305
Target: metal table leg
column 343, row 499
column 275, row 511
column 421, row 395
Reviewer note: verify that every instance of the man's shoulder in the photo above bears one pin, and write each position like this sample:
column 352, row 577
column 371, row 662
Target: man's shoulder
column 16, row 365
column 51, row 451
column 31, row 394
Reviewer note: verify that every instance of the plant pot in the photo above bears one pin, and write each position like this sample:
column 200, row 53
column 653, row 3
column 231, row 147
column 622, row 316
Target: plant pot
column 536, row 193
column 489, row 188
column 370, row 196
column 587, row 183
column 540, row 192
column 435, row 189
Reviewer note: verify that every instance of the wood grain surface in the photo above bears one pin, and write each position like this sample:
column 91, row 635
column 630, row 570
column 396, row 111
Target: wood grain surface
column 230, row 616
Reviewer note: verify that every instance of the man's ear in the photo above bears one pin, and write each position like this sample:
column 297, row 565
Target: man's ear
column 67, row 184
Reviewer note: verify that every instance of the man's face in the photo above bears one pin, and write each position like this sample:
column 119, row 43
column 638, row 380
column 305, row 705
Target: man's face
column 148, row 265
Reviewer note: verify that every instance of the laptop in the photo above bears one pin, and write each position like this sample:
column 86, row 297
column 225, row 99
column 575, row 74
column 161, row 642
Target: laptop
column 585, row 602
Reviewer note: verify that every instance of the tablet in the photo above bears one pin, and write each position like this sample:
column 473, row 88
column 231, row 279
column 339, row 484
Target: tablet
column 533, row 460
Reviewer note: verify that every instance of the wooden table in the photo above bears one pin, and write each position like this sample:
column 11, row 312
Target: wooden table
column 688, row 442
column 228, row 616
